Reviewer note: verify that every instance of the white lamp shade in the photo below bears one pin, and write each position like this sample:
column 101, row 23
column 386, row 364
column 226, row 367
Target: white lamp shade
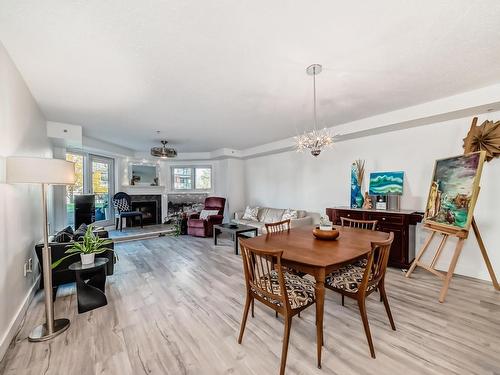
column 40, row 171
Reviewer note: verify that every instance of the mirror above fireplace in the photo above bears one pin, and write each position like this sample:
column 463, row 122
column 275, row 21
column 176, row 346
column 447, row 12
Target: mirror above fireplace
column 143, row 174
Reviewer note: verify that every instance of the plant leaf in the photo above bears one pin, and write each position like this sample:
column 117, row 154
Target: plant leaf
column 58, row 262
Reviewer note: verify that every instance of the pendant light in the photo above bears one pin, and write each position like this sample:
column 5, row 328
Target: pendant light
column 316, row 140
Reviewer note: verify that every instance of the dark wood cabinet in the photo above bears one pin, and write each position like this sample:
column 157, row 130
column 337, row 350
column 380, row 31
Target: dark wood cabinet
column 401, row 223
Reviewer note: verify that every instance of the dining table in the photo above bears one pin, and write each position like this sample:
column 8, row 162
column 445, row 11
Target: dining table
column 305, row 253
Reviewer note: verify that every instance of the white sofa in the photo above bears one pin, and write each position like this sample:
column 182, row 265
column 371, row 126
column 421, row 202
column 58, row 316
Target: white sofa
column 272, row 215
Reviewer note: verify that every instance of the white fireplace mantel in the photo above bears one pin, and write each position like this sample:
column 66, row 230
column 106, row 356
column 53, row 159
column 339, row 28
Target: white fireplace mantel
column 140, row 190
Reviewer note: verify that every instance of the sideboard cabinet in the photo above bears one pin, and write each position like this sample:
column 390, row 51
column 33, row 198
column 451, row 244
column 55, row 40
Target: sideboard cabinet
column 401, row 222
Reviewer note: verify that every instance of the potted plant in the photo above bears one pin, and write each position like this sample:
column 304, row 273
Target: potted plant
column 88, row 247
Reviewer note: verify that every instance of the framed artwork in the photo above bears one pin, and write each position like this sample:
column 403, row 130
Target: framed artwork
column 386, row 183
column 454, row 190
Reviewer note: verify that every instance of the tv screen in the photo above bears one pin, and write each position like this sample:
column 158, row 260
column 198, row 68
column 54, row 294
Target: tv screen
column 386, row 183
column 84, row 209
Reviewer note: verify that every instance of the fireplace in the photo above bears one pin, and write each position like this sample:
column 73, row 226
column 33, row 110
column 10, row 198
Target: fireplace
column 150, row 206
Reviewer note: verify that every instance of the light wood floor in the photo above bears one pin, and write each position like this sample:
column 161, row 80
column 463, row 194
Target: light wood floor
column 175, row 306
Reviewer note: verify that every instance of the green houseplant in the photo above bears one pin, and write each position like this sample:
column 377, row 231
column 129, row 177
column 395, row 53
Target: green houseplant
column 88, row 247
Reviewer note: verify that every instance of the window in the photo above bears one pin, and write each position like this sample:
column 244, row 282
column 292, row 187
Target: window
column 76, row 189
column 191, row 178
column 183, row 178
column 94, row 175
column 203, row 178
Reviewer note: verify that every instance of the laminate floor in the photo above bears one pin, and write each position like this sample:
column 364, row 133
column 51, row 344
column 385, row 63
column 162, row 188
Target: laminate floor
column 175, row 305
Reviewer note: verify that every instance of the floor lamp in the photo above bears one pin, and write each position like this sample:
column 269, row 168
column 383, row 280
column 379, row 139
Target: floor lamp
column 44, row 172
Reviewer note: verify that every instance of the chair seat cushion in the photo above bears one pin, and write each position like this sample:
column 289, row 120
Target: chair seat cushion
column 348, row 278
column 130, row 213
column 300, row 290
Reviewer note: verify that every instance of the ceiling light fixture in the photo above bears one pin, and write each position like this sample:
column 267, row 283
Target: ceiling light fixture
column 317, row 140
column 163, row 152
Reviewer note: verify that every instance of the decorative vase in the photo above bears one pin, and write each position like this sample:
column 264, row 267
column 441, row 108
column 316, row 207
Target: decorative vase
column 87, row 258
column 354, row 185
column 359, row 198
column 357, row 172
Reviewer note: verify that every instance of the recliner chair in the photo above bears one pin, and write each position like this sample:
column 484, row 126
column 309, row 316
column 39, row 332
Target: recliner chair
column 204, row 228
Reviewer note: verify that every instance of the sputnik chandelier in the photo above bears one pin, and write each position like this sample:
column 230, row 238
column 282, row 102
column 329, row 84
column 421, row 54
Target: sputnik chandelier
column 316, row 140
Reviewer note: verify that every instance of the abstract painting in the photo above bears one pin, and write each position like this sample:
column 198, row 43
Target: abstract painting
column 454, row 189
column 386, row 183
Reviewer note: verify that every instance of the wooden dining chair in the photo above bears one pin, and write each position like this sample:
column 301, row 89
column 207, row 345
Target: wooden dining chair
column 280, row 226
column 268, row 282
column 361, row 224
column 359, row 279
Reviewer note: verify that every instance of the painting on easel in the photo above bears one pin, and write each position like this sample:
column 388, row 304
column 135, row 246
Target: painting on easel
column 454, row 190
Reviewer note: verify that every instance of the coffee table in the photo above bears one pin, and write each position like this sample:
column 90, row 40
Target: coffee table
column 236, row 232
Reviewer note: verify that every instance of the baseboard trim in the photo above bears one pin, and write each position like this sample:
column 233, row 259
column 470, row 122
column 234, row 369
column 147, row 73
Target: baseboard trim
column 16, row 322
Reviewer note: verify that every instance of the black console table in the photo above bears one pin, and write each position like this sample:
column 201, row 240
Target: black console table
column 91, row 293
column 401, row 222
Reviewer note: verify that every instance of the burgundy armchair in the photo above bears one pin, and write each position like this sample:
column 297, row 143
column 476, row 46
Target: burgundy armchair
column 204, row 228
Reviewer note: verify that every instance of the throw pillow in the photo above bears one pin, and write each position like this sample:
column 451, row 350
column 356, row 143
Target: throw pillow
column 204, row 214
column 121, row 205
column 80, row 232
column 65, row 235
column 289, row 214
column 251, row 213
column 69, row 229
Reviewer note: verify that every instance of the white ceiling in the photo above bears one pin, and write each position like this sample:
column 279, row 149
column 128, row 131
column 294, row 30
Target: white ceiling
column 213, row 74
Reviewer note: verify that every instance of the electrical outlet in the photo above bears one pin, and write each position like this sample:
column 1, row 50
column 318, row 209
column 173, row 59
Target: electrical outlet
column 25, row 270
column 30, row 265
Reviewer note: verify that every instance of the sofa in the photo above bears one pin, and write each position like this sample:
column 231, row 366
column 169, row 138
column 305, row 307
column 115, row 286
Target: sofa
column 272, row 215
column 61, row 274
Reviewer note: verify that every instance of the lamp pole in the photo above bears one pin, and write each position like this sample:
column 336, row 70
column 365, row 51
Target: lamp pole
column 51, row 327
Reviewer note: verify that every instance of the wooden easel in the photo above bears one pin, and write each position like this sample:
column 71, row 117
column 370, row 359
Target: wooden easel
column 462, row 236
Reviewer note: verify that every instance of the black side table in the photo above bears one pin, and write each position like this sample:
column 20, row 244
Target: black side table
column 90, row 293
column 236, row 232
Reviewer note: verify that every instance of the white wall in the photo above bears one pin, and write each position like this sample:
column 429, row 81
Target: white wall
column 231, row 185
column 22, row 132
column 301, row 181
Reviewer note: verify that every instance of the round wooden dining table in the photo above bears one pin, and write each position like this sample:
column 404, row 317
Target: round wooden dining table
column 304, row 253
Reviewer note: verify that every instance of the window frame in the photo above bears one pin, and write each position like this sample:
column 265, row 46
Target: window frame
column 192, row 168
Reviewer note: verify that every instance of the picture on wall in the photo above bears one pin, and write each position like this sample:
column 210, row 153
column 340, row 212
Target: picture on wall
column 386, row 183
column 454, row 189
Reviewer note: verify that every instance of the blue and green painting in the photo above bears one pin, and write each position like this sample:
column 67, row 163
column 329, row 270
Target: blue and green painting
column 452, row 190
column 386, row 183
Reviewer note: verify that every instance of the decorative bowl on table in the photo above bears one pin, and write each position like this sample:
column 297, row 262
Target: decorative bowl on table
column 326, row 235
column 233, row 226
